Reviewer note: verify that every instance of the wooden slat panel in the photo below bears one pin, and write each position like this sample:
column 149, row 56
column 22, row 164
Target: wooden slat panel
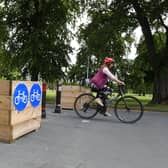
column 5, row 102
column 74, row 88
column 5, row 87
column 5, row 133
column 67, row 105
column 67, row 99
column 69, row 94
column 25, row 127
column 37, row 112
column 27, row 114
column 4, row 117
column 70, row 88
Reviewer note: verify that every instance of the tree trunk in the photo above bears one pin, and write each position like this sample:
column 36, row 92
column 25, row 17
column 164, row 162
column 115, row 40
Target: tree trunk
column 34, row 74
column 145, row 26
column 160, row 88
column 34, row 77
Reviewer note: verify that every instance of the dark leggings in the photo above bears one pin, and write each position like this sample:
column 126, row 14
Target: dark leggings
column 100, row 92
column 102, row 96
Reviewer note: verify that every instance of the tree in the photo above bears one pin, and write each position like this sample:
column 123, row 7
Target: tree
column 38, row 37
column 141, row 63
column 121, row 18
column 153, row 18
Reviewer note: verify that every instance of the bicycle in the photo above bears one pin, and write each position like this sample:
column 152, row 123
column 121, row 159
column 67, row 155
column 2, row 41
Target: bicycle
column 127, row 108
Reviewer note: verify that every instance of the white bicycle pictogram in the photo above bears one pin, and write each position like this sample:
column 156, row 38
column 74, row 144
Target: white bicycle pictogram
column 36, row 96
column 21, row 98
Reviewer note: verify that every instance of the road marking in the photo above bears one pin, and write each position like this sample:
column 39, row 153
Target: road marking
column 85, row 121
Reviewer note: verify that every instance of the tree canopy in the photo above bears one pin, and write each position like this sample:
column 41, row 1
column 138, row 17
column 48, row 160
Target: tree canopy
column 37, row 35
column 110, row 33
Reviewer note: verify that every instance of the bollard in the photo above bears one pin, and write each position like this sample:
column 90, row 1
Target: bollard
column 44, row 88
column 58, row 98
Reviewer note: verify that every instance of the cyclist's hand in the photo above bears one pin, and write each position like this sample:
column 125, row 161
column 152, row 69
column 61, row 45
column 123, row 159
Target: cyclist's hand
column 121, row 83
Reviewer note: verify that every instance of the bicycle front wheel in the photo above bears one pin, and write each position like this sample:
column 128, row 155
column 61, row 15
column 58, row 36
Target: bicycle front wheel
column 85, row 106
column 128, row 109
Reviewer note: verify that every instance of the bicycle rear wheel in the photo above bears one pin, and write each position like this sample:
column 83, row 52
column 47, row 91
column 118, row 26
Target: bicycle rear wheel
column 128, row 109
column 85, row 106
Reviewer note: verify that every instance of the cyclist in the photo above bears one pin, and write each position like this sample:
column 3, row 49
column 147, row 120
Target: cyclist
column 99, row 80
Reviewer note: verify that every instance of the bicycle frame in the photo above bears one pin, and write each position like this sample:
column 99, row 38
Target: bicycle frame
column 120, row 94
column 109, row 101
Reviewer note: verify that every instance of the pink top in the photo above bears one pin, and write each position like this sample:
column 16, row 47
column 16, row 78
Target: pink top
column 101, row 77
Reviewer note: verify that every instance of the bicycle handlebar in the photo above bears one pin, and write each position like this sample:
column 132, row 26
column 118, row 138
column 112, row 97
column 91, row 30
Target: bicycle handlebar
column 121, row 89
column 109, row 90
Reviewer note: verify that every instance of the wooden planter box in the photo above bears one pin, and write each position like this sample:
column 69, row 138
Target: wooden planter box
column 69, row 94
column 20, row 110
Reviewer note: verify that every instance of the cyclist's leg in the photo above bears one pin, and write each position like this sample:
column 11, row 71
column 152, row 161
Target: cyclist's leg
column 104, row 98
column 98, row 99
column 101, row 96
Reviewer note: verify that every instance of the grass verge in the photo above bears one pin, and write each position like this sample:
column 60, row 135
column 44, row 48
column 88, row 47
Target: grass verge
column 51, row 97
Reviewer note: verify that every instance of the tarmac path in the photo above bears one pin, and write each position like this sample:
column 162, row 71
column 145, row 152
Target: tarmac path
column 66, row 141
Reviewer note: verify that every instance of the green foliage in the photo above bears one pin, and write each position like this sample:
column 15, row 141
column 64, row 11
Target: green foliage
column 104, row 36
column 109, row 33
column 7, row 71
column 143, row 73
column 38, row 38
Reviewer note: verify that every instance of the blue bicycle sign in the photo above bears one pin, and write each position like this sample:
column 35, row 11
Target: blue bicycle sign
column 35, row 95
column 20, row 97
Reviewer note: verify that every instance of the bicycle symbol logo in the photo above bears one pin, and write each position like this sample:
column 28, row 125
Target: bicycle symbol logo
column 35, row 95
column 20, row 98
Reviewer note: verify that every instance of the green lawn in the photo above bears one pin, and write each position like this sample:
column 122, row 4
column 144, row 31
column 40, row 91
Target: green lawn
column 146, row 102
column 51, row 97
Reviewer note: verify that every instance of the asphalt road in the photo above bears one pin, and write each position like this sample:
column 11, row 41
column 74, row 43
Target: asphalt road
column 66, row 141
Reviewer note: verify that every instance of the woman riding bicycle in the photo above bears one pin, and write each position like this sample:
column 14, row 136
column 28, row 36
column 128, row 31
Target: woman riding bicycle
column 99, row 80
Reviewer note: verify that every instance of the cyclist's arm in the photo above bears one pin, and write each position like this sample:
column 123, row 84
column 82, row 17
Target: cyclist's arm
column 111, row 76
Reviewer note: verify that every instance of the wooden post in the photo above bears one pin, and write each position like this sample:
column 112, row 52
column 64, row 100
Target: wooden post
column 44, row 88
column 58, row 98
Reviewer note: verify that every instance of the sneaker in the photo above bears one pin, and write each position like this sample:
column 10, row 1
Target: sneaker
column 107, row 114
column 98, row 101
